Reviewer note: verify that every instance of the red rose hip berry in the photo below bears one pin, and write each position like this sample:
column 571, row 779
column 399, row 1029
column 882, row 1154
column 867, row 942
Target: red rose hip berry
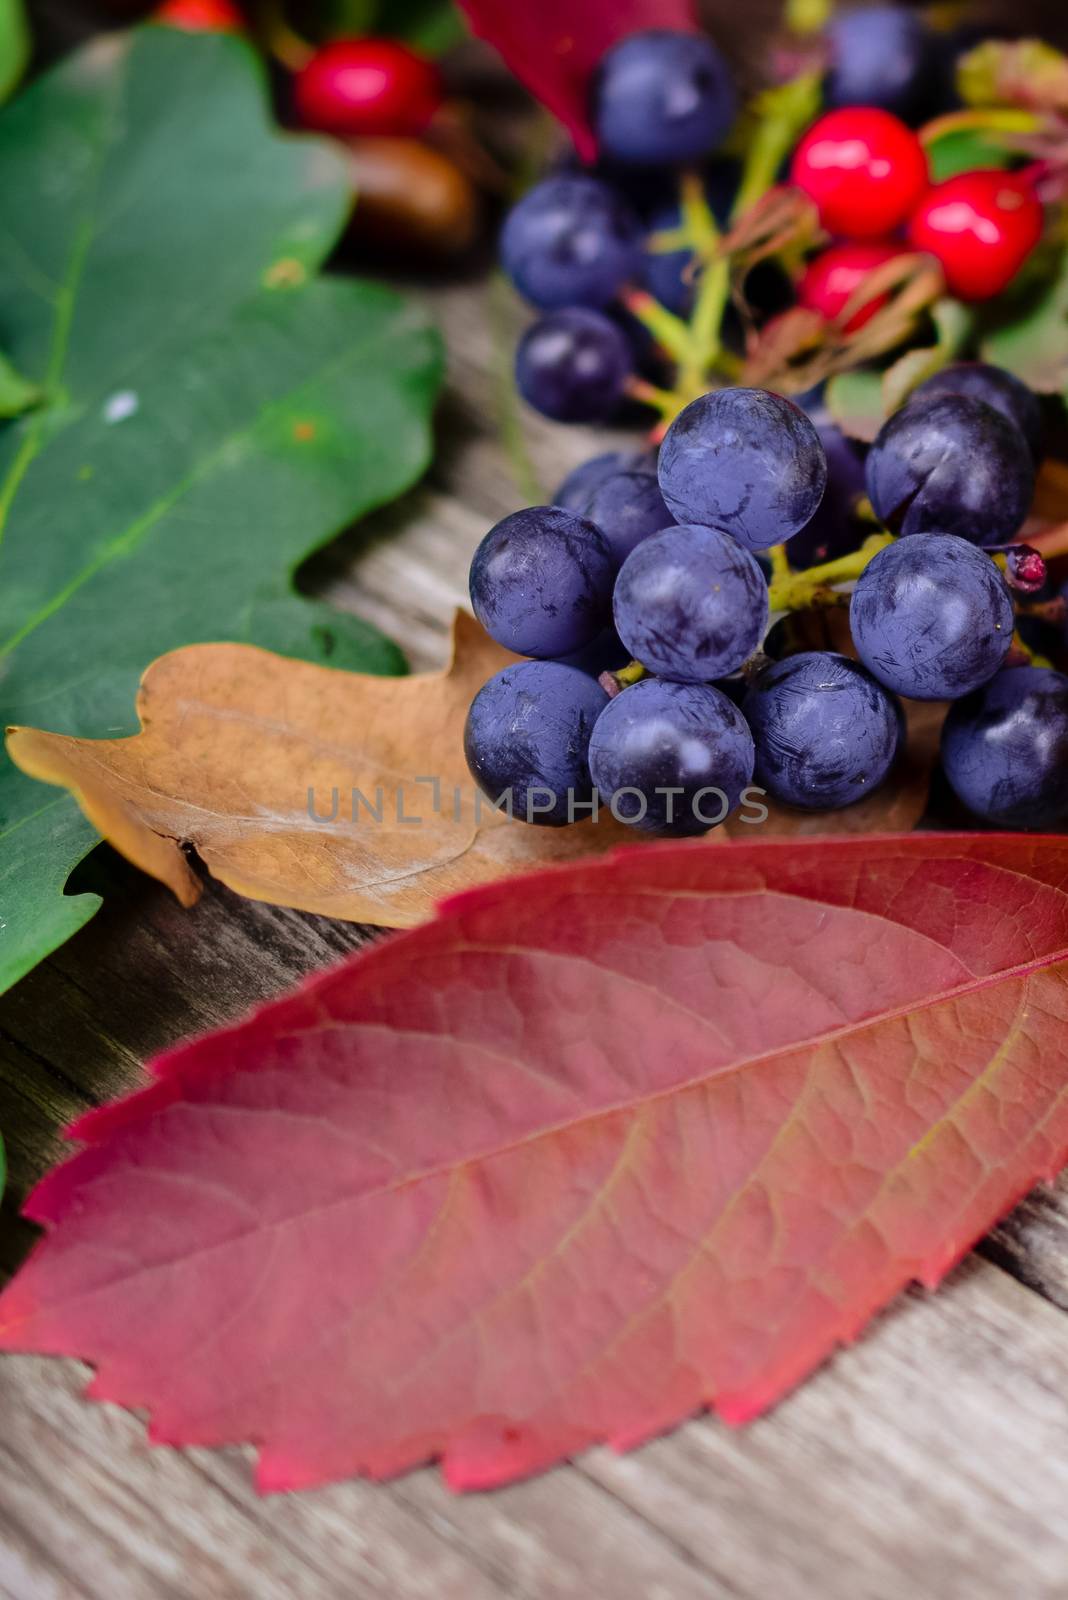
column 981, row 226
column 367, row 86
column 864, row 170
column 833, row 278
column 200, row 16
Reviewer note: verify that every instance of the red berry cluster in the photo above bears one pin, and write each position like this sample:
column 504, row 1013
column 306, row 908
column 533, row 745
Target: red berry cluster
column 361, row 87
column 866, row 172
column 353, row 88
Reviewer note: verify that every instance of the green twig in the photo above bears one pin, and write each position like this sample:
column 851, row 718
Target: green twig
column 800, row 590
column 669, row 331
column 783, row 113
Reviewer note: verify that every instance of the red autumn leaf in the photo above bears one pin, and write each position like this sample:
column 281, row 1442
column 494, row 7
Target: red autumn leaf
column 553, row 46
column 588, row 1152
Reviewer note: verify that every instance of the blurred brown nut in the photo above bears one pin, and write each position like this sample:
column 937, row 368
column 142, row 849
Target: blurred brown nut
column 411, row 200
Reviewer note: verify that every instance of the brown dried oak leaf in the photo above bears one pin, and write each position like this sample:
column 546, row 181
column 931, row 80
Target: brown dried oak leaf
column 343, row 793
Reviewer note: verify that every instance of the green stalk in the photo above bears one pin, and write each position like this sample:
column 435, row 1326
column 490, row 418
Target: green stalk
column 799, row 590
column 783, row 112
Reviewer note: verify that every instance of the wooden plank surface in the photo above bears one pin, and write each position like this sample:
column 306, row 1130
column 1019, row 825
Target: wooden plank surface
column 930, row 1459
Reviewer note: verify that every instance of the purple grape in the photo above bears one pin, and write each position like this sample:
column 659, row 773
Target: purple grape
column 661, row 98
column 746, row 461
column 826, row 734
column 606, row 653
column 1005, row 749
column 1044, row 636
column 571, row 241
column 627, row 507
column 834, row 530
column 932, row 617
column 882, row 56
column 671, row 757
column 691, row 604
column 528, row 730
column 573, row 366
column 996, row 388
column 582, row 480
column 952, row 464
column 541, row 582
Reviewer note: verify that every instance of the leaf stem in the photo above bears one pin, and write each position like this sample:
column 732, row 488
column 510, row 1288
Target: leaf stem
column 669, row 331
column 614, row 683
column 782, row 113
column 799, row 591
column 985, row 119
column 706, row 323
column 780, row 563
column 666, row 401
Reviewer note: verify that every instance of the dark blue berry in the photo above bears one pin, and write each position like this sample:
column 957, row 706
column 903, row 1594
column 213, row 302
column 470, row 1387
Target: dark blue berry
column 885, row 56
column 834, row 530
column 932, row 617
column 746, row 461
column 952, row 464
column 571, row 241
column 628, row 507
column 997, row 388
column 528, row 736
column 606, row 653
column 581, row 481
column 691, row 604
column 826, row 734
column 573, row 366
column 661, row 98
column 1005, row 749
column 541, row 582
column 671, row 757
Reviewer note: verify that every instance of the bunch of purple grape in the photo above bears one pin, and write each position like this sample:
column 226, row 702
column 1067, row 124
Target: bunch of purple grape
column 662, row 102
column 575, row 242
column 662, row 562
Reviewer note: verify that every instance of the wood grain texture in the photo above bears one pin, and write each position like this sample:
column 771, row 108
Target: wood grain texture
column 929, row 1459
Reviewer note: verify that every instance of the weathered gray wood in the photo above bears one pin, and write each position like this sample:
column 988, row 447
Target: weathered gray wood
column 930, row 1458
column 1032, row 1244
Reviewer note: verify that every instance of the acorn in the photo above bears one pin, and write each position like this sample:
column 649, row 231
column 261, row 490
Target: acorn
column 412, row 201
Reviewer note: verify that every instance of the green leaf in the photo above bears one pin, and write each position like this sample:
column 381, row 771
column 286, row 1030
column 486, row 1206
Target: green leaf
column 292, row 626
column 1032, row 337
column 954, row 324
column 855, row 401
column 433, row 26
column 769, row 131
column 213, row 413
column 14, row 45
column 17, row 394
column 965, row 150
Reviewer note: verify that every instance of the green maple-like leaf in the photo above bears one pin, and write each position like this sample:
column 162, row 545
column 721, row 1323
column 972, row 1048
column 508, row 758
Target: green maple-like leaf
column 14, row 45
column 17, row 394
column 855, row 401
column 1031, row 339
column 432, row 26
column 212, row 412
